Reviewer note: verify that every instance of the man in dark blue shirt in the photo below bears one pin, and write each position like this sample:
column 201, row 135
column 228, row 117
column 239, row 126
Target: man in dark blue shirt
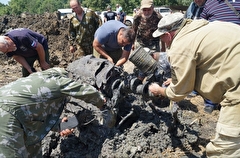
column 26, row 46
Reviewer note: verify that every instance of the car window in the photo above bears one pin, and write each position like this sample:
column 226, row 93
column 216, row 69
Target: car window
column 164, row 10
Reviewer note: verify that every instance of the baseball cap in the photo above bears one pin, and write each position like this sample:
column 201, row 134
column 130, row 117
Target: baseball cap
column 168, row 23
column 146, row 3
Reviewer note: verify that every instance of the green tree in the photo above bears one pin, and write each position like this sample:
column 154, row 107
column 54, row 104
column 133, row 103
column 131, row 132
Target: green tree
column 96, row 4
column 4, row 9
column 16, row 7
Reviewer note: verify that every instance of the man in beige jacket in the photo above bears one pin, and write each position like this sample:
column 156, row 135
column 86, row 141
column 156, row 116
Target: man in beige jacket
column 202, row 61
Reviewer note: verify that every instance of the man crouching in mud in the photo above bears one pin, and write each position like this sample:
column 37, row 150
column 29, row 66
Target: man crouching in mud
column 30, row 107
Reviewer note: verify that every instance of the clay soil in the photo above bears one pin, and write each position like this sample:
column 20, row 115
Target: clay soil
column 151, row 132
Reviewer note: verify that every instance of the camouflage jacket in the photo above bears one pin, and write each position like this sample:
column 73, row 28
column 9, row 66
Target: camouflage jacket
column 145, row 27
column 37, row 101
column 82, row 32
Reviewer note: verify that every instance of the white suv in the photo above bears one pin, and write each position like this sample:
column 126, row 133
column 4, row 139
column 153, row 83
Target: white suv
column 163, row 10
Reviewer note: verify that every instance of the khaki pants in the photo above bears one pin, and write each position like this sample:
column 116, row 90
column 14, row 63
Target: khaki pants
column 226, row 143
column 96, row 54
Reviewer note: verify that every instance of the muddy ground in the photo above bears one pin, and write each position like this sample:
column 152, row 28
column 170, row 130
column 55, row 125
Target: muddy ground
column 151, row 131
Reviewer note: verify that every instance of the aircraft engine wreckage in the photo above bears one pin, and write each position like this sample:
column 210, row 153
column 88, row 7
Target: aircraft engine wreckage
column 116, row 84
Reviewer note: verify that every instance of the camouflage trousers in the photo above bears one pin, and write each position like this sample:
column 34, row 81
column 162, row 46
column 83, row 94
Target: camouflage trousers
column 83, row 50
column 12, row 142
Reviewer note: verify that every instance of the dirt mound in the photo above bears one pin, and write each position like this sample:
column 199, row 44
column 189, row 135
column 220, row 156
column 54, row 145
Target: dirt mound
column 152, row 131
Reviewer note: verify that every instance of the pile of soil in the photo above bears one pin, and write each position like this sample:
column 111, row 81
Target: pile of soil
column 152, row 131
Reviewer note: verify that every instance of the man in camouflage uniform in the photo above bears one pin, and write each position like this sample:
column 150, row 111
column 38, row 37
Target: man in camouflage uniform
column 82, row 27
column 144, row 24
column 30, row 107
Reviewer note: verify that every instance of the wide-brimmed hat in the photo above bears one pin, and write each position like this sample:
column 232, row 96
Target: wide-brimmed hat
column 146, row 4
column 168, row 23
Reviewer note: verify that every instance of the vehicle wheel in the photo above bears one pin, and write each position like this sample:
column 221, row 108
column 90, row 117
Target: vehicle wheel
column 128, row 23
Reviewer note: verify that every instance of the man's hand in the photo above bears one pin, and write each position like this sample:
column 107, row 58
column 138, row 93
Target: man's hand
column 157, row 90
column 133, row 47
column 110, row 60
column 44, row 65
column 154, row 88
column 66, row 132
column 72, row 49
column 167, row 82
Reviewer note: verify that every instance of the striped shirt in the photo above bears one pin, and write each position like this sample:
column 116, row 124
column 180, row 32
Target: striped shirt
column 219, row 10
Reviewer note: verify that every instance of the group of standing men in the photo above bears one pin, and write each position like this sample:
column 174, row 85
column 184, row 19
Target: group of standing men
column 119, row 14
